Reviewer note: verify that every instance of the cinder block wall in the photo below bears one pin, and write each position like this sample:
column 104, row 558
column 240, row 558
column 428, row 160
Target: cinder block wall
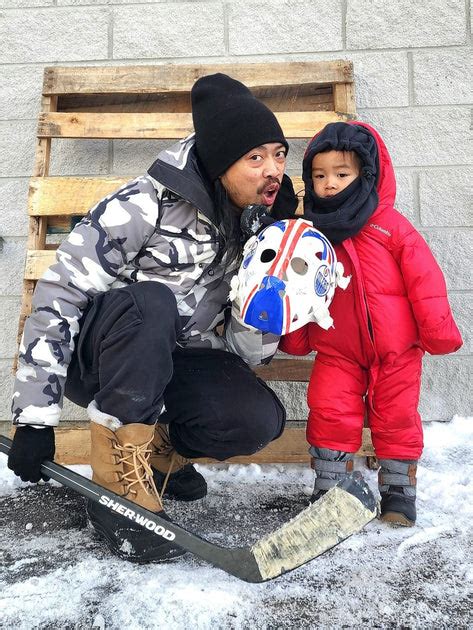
column 414, row 83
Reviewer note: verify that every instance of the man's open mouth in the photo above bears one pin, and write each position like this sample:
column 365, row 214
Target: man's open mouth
column 269, row 193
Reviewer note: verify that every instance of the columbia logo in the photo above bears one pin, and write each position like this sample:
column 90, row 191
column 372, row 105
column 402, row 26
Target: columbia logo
column 380, row 229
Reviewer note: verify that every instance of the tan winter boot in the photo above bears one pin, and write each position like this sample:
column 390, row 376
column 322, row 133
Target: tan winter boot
column 174, row 475
column 120, row 463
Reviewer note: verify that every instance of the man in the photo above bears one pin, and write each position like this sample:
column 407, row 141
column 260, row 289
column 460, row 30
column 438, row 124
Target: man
column 142, row 282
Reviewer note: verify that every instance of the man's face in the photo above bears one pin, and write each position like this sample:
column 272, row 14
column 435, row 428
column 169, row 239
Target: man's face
column 256, row 177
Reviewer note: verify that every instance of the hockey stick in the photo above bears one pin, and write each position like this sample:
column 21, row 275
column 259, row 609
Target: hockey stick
column 340, row 513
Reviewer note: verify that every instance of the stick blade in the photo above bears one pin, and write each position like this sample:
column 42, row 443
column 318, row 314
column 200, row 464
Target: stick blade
column 343, row 511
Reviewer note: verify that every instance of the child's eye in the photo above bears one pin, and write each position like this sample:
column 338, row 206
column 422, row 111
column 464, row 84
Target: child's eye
column 343, row 174
column 317, row 176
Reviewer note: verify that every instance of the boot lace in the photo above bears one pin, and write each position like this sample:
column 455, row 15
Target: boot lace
column 137, row 458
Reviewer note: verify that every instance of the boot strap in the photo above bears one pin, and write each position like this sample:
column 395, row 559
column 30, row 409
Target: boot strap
column 323, row 465
column 394, row 472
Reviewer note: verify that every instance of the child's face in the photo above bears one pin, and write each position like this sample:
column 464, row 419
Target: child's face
column 333, row 171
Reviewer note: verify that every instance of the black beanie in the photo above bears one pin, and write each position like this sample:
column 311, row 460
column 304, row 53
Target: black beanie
column 228, row 122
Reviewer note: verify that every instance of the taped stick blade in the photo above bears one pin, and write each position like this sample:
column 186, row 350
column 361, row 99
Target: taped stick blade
column 343, row 511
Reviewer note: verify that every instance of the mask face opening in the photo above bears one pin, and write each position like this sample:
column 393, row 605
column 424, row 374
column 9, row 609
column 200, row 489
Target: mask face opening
column 267, row 255
column 299, row 266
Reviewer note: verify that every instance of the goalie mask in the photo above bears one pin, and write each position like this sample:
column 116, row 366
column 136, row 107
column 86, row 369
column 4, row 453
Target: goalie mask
column 287, row 278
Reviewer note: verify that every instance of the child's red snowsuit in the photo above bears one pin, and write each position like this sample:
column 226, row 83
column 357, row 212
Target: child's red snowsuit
column 393, row 310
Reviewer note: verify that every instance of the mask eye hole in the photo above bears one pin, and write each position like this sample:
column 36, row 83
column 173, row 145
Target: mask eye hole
column 267, row 255
column 299, row 265
column 319, row 255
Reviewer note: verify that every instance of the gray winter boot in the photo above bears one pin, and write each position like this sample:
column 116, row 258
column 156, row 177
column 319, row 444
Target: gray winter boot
column 397, row 486
column 330, row 468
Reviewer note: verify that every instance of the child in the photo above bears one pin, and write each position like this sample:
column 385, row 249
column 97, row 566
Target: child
column 394, row 309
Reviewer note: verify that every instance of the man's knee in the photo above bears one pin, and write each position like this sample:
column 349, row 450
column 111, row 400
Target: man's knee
column 261, row 422
column 149, row 294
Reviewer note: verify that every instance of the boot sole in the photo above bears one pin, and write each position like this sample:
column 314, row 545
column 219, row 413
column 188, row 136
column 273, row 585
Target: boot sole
column 166, row 551
column 396, row 518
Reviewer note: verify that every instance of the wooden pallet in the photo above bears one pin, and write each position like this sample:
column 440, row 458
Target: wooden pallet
column 153, row 102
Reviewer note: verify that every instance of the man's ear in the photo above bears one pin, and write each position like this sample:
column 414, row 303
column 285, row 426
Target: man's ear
column 286, row 202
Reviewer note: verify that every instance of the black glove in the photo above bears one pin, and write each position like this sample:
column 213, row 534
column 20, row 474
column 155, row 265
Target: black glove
column 28, row 451
column 286, row 202
column 253, row 219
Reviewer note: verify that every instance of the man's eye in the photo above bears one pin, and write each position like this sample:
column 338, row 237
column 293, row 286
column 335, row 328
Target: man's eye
column 281, row 155
column 255, row 158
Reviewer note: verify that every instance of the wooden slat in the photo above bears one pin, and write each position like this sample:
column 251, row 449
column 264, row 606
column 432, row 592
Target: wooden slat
column 93, row 125
column 65, row 196
column 344, row 98
column 289, row 99
column 55, row 196
column 37, row 261
column 180, row 78
column 293, row 370
column 73, row 447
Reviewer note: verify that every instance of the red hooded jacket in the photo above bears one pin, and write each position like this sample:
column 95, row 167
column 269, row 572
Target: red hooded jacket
column 395, row 304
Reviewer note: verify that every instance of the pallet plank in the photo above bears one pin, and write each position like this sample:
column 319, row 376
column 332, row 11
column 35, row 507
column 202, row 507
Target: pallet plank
column 153, row 126
column 180, row 78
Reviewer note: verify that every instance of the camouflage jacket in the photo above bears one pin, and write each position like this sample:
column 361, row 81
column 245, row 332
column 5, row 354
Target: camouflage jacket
column 159, row 227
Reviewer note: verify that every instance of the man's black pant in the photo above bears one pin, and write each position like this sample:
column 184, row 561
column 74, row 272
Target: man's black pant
column 127, row 360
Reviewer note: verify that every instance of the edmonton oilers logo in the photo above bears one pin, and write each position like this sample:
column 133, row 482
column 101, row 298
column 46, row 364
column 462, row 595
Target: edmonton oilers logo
column 322, row 281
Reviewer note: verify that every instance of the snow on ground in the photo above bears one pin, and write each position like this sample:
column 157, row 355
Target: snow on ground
column 56, row 574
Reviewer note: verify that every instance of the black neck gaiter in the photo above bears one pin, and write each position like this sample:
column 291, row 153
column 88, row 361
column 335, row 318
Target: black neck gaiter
column 343, row 215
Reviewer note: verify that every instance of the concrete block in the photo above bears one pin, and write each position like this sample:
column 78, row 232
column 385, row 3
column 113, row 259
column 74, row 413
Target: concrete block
column 452, row 249
column 21, row 91
column 272, row 26
column 381, row 79
column 405, row 196
column 443, row 77
column 424, row 136
column 65, row 3
column 72, row 413
column 12, row 263
column 6, row 389
column 446, row 388
column 133, row 157
column 171, row 29
column 446, row 197
column 60, row 34
column 23, row 4
column 79, row 157
column 296, row 155
column 462, row 307
column 17, row 147
column 13, row 207
column 9, row 314
column 294, row 398
column 402, row 23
